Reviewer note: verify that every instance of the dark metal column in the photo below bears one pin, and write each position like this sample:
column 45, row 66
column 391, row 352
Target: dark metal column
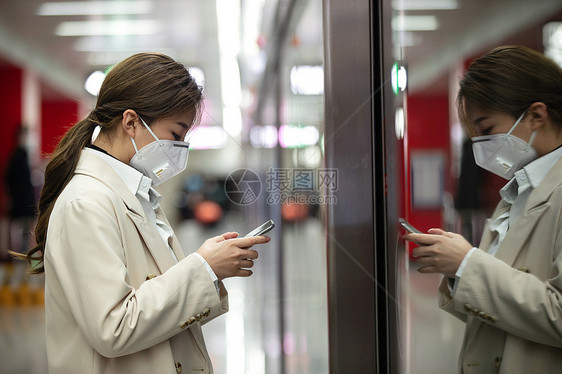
column 354, row 141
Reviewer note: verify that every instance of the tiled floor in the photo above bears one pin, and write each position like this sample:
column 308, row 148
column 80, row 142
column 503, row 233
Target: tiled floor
column 431, row 338
column 22, row 340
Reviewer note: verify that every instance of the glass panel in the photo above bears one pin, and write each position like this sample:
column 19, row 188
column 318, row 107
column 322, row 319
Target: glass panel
column 435, row 40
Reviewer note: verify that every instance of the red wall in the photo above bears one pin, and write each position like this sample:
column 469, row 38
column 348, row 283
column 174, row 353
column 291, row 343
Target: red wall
column 57, row 117
column 428, row 130
column 11, row 113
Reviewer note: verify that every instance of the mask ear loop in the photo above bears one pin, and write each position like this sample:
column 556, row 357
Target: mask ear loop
column 533, row 135
column 135, row 147
column 515, row 124
column 151, row 133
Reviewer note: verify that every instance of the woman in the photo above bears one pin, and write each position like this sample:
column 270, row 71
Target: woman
column 508, row 290
column 119, row 296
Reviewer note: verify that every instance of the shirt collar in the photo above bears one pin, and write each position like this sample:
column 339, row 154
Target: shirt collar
column 136, row 182
column 530, row 176
column 537, row 170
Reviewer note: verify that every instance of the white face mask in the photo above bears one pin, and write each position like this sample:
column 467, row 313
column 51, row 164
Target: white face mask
column 161, row 159
column 503, row 154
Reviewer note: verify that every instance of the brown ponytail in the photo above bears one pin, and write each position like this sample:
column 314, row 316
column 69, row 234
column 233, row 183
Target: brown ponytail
column 152, row 84
column 58, row 173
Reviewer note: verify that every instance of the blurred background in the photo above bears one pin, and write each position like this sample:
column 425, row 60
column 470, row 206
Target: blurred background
column 331, row 117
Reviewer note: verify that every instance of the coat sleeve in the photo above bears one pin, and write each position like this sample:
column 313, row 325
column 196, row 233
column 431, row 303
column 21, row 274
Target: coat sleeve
column 86, row 256
column 446, row 301
column 519, row 303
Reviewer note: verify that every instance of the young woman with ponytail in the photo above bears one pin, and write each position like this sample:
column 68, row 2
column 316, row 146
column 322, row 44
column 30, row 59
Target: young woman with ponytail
column 120, row 296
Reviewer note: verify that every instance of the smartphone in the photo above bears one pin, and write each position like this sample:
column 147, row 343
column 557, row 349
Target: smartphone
column 262, row 229
column 408, row 226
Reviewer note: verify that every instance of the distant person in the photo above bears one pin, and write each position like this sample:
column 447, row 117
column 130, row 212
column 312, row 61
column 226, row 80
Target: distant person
column 21, row 194
column 508, row 290
column 468, row 196
column 120, row 295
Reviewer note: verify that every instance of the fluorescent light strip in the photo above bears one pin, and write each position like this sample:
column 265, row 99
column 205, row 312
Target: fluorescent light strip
column 101, row 43
column 228, row 18
column 208, row 137
column 414, row 23
column 109, row 27
column 91, row 8
column 307, row 80
column 425, row 4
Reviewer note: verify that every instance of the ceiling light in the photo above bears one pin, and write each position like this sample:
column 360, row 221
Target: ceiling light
column 552, row 40
column 293, row 136
column 263, row 136
column 228, row 21
column 424, row 4
column 406, row 39
column 87, row 8
column 198, row 75
column 108, row 58
column 207, row 137
column 399, row 123
column 94, row 82
column 109, row 27
column 414, row 23
column 307, row 80
column 102, row 43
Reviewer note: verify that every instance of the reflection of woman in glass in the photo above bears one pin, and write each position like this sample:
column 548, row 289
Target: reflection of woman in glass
column 508, row 290
column 120, row 296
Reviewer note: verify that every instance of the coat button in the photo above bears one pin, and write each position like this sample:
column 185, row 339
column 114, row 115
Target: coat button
column 467, row 307
column 207, row 312
column 482, row 315
column 178, row 367
column 150, row 276
column 184, row 325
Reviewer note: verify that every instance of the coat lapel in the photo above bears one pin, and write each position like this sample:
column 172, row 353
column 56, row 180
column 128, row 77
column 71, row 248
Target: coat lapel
column 536, row 205
column 524, row 224
column 95, row 167
column 153, row 240
column 520, row 231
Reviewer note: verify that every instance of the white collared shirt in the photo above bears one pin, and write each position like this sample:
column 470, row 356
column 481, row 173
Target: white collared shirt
column 141, row 186
column 515, row 192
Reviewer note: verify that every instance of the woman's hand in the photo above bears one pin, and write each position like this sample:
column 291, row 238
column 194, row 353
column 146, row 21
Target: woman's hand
column 230, row 256
column 439, row 251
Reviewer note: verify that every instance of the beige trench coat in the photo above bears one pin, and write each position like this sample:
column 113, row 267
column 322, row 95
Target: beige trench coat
column 115, row 300
column 512, row 303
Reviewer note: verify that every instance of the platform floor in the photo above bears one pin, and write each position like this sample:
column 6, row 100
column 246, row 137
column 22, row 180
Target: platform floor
column 430, row 337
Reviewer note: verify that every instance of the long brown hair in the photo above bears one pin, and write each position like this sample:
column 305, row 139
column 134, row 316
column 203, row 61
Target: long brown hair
column 152, row 84
column 509, row 79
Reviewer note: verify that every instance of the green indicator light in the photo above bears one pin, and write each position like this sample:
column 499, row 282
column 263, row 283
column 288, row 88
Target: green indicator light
column 394, row 79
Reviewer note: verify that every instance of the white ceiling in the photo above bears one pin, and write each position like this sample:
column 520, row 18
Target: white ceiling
column 188, row 32
column 477, row 25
